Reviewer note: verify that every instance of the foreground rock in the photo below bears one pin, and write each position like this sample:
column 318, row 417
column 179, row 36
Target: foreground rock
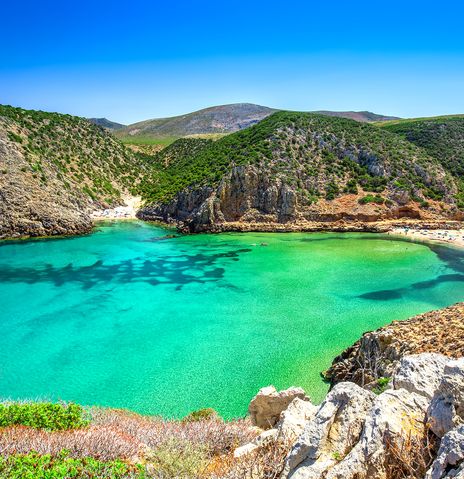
column 377, row 354
column 266, row 407
column 413, row 428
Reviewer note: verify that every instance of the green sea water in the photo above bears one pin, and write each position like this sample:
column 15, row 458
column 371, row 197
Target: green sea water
column 127, row 318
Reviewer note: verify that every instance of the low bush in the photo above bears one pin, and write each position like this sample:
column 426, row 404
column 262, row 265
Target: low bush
column 35, row 466
column 207, row 413
column 372, row 199
column 44, row 415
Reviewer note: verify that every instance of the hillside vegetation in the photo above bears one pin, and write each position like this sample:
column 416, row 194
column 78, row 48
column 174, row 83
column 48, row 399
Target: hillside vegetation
column 213, row 120
column 442, row 137
column 363, row 116
column 54, row 167
column 308, row 158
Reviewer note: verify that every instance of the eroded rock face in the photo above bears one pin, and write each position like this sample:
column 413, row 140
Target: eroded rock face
column 377, row 354
column 447, row 407
column 420, row 373
column 336, row 426
column 450, row 458
column 266, row 407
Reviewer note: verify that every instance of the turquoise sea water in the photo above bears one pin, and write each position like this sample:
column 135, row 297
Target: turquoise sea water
column 123, row 318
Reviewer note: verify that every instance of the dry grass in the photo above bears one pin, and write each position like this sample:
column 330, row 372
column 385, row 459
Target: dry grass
column 168, row 448
column 267, row 462
column 410, row 456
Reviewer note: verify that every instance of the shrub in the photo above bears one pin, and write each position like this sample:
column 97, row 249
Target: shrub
column 381, row 386
column 35, row 466
column 207, row 413
column 50, row 416
column 372, row 199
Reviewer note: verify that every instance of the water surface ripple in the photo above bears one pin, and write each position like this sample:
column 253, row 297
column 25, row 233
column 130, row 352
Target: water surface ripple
column 132, row 317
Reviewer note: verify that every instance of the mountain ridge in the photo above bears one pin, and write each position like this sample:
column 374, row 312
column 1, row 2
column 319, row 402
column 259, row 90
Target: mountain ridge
column 295, row 166
column 220, row 119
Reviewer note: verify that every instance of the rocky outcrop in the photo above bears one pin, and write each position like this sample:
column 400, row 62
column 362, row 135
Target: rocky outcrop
column 266, row 407
column 29, row 208
column 55, row 169
column 250, row 197
column 377, row 354
column 447, row 406
column 450, row 458
column 412, row 429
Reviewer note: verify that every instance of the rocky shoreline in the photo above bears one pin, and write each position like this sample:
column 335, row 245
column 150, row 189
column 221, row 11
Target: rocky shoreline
column 377, row 353
column 395, row 409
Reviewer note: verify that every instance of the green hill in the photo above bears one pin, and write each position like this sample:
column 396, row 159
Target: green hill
column 290, row 162
column 213, row 120
column 55, row 168
column 442, row 137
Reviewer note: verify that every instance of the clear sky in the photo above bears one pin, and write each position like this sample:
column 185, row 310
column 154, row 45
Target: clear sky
column 134, row 60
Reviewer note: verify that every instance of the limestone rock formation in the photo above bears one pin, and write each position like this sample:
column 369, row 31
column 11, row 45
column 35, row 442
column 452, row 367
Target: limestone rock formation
column 356, row 434
column 420, row 374
column 378, row 353
column 265, row 408
column 450, row 457
column 336, row 426
column 447, row 407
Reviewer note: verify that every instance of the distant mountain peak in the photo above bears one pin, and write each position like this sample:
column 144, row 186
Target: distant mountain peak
column 362, row 116
column 105, row 123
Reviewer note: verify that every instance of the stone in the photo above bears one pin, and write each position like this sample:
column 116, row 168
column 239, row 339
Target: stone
column 450, row 457
column 265, row 408
column 347, row 438
column 420, row 373
column 245, row 450
column 294, row 418
column 446, row 410
column 337, row 425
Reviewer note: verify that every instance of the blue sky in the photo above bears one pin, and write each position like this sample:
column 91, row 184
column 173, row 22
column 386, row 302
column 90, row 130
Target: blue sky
column 135, row 60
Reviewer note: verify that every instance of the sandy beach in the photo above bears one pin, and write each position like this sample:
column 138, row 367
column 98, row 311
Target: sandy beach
column 128, row 211
column 454, row 237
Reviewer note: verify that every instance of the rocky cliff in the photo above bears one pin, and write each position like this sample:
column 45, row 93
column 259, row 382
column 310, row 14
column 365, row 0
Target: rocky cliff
column 414, row 428
column 296, row 168
column 54, row 169
column 391, row 413
column 377, row 353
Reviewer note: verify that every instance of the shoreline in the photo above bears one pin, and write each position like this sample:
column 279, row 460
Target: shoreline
column 443, row 236
column 126, row 212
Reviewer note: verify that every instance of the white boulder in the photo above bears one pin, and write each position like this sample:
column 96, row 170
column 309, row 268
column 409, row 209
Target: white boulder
column 420, row 373
column 266, row 407
column 446, row 410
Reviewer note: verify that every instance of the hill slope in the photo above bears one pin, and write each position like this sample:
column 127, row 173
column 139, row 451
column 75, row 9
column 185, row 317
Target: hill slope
column 299, row 167
column 217, row 119
column 363, row 116
column 105, row 123
column 54, row 168
column 442, row 137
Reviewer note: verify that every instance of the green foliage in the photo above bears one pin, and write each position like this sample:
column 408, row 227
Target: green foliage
column 12, row 136
column 372, row 199
column 91, row 161
column 43, row 415
column 441, row 137
column 147, row 140
column 35, row 466
column 339, row 153
column 381, row 385
column 201, row 414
